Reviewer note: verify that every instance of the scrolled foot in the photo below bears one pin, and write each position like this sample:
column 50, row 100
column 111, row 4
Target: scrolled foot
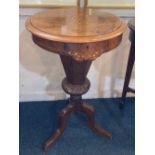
column 90, row 112
column 52, row 140
column 63, row 119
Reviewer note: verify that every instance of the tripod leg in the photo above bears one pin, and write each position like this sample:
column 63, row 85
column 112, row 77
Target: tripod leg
column 63, row 119
column 90, row 112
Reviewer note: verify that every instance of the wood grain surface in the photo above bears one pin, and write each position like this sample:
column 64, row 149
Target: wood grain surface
column 75, row 26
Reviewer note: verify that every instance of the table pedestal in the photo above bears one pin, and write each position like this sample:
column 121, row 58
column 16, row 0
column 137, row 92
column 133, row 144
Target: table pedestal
column 75, row 84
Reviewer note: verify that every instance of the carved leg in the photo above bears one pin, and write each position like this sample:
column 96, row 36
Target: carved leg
column 64, row 116
column 90, row 112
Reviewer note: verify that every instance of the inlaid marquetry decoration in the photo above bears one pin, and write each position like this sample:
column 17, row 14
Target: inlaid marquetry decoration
column 93, row 31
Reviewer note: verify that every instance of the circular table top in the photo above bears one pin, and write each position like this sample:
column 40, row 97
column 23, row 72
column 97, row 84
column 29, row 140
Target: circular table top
column 75, row 26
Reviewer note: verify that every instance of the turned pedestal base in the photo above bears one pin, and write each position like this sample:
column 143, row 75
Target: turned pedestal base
column 75, row 84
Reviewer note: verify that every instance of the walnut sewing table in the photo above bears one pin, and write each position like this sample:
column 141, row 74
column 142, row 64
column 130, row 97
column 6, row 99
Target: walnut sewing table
column 79, row 37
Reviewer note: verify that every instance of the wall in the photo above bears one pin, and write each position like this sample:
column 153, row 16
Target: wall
column 41, row 72
column 92, row 3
